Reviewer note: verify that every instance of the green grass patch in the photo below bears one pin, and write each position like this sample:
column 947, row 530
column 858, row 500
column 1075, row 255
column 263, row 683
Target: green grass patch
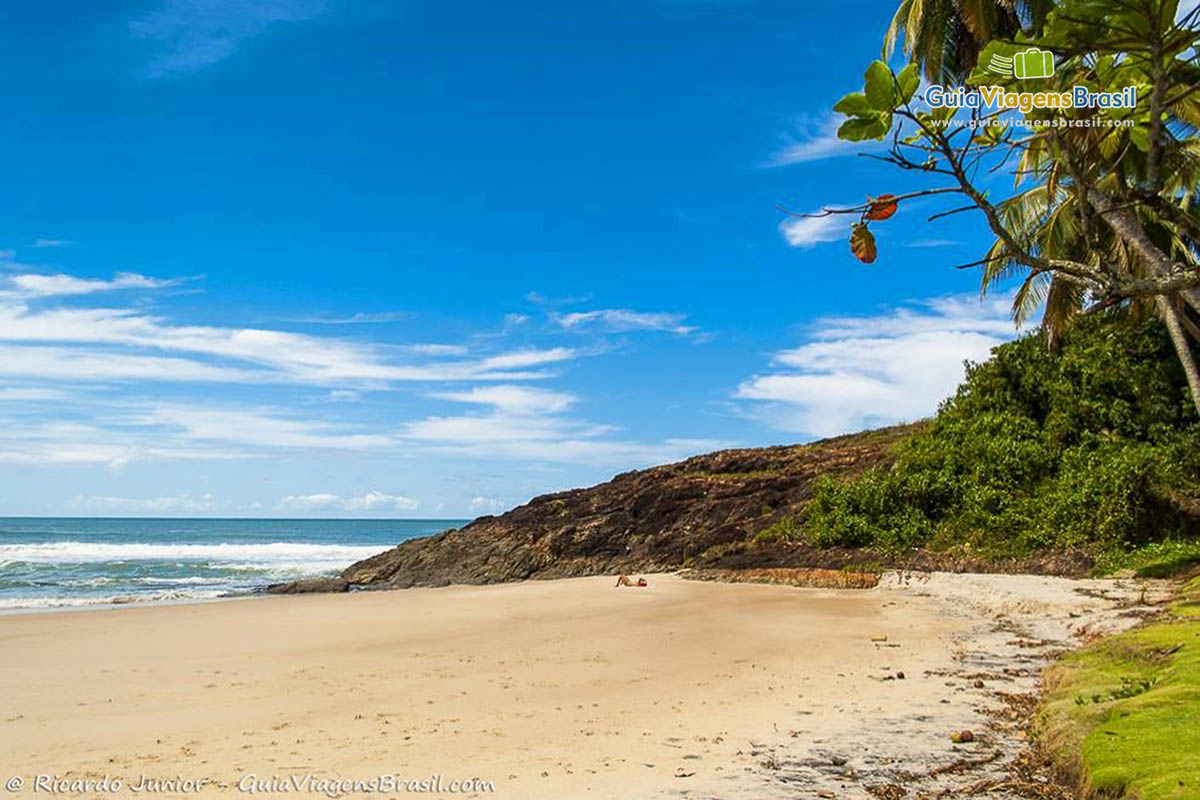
column 787, row 529
column 1123, row 714
column 1168, row 559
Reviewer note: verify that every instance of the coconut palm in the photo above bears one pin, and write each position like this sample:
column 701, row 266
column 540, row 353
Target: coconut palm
column 945, row 36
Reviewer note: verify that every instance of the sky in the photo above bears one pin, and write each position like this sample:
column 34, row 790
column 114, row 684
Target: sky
column 417, row 259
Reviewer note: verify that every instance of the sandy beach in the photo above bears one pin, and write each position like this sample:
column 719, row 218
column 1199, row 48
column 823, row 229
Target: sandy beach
column 544, row 689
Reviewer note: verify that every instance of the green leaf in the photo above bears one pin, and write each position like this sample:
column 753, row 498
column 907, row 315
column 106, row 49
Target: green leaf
column 1140, row 137
column 989, row 68
column 908, row 79
column 856, row 129
column 854, row 104
column 880, row 87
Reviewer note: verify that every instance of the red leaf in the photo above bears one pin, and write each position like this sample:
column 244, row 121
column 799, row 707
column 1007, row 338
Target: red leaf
column 881, row 207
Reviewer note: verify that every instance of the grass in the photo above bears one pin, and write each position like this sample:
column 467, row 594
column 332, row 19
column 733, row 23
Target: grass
column 785, row 529
column 1165, row 559
column 1123, row 714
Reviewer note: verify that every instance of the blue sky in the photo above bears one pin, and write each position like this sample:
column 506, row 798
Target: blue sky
column 312, row 258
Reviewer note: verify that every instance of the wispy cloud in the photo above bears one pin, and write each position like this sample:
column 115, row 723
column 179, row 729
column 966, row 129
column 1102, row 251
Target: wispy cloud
column 262, row 428
column 43, row 243
column 114, row 433
column 530, row 425
column 624, row 319
column 925, row 243
column 360, row 318
column 815, row 142
column 32, row 285
column 98, row 442
column 22, row 394
column 128, row 343
column 173, row 504
column 187, row 35
column 485, row 505
column 807, row 232
column 370, row 501
column 517, row 399
column 90, row 386
column 539, row 299
column 858, row 372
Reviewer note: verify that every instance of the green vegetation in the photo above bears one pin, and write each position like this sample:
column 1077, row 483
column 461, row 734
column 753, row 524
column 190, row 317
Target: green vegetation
column 788, row 528
column 1123, row 714
column 1103, row 207
column 1095, row 446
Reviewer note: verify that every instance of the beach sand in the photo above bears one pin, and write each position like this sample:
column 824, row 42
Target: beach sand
column 554, row 689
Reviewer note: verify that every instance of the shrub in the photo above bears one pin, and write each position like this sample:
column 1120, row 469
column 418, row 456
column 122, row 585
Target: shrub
column 1095, row 445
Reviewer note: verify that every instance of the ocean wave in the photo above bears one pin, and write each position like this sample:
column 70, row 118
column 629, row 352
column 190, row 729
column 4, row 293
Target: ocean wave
column 85, row 601
column 271, row 555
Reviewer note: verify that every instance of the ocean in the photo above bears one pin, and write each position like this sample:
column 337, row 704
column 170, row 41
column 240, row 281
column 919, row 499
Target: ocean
column 49, row 563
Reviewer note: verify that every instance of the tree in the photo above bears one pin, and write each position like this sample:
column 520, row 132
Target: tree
column 1103, row 155
column 945, row 36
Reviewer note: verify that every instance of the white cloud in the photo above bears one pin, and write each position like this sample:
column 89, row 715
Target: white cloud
column 817, row 143
column 623, row 319
column 257, row 428
column 175, row 504
column 517, row 399
column 24, row 394
column 360, row 318
column 117, row 432
column 100, row 441
column 88, row 365
column 529, row 425
column 809, row 231
column 103, row 344
column 485, row 505
column 922, row 243
column 439, row 349
column 115, row 361
column 520, row 359
column 371, row 501
column 40, row 243
column 186, row 35
column 380, row 500
column 862, row 372
column 33, row 285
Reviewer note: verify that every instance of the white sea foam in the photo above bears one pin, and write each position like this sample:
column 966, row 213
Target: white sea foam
column 85, row 601
column 271, row 555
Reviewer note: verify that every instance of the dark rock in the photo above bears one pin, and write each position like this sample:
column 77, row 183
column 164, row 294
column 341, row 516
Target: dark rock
column 703, row 512
column 311, row 586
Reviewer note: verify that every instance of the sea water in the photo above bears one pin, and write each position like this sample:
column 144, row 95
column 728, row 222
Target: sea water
column 70, row 562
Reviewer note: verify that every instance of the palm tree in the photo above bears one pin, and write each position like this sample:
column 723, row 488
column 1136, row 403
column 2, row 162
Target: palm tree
column 945, row 36
column 1052, row 218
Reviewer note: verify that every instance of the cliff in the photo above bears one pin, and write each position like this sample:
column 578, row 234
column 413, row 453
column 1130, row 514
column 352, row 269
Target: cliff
column 700, row 512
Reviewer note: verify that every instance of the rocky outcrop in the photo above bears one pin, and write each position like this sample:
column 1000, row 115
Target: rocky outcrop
column 650, row 520
column 310, row 586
